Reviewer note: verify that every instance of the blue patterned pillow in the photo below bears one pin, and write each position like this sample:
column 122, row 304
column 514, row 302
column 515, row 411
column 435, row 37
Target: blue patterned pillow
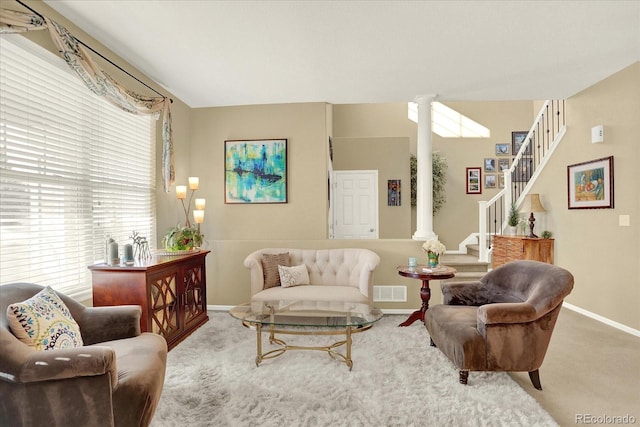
column 44, row 322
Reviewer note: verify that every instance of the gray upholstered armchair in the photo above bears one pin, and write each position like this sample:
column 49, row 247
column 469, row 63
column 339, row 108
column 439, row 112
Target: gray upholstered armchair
column 115, row 379
column 502, row 322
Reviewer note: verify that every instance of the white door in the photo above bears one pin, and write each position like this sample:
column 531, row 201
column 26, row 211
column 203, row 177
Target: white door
column 355, row 209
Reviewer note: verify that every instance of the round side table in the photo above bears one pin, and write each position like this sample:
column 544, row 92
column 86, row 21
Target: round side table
column 424, row 273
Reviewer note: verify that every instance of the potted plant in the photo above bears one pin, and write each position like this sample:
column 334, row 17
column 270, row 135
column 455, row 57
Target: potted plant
column 513, row 220
column 182, row 238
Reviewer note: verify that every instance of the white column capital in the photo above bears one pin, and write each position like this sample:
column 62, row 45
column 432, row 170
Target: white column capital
column 424, row 99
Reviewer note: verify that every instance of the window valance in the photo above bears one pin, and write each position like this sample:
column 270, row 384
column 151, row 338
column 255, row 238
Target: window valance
column 96, row 79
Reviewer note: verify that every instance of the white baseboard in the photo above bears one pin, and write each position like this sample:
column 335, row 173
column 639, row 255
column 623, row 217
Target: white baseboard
column 612, row 323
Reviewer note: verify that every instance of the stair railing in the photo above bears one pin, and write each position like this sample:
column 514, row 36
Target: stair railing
column 545, row 134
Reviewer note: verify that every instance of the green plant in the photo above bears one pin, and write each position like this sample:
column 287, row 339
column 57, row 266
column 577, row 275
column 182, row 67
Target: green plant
column 439, row 174
column 546, row 234
column 181, row 238
column 514, row 216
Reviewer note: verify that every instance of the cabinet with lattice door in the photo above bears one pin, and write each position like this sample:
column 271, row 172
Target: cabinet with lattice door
column 172, row 291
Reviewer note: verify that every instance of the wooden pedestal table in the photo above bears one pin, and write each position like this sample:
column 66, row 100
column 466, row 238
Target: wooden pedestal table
column 424, row 273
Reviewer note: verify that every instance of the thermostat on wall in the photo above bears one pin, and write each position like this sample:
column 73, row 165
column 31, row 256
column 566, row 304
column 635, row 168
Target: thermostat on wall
column 597, row 134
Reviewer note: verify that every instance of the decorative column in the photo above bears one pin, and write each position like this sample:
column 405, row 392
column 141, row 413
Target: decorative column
column 424, row 190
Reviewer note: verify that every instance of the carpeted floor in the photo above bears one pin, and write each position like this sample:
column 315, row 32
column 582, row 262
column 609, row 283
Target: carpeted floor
column 397, row 380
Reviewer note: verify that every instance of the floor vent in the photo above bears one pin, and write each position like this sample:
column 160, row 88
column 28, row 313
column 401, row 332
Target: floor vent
column 390, row 293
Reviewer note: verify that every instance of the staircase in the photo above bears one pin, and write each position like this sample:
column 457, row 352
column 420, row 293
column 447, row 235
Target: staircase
column 473, row 259
column 468, row 266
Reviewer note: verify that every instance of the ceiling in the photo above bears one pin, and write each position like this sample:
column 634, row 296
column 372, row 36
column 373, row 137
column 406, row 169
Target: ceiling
column 221, row 53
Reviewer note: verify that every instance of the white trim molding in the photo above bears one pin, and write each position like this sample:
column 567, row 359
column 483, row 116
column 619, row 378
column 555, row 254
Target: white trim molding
column 606, row 321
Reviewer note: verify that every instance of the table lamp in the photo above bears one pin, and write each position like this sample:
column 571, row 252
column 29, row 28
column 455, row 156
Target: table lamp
column 532, row 204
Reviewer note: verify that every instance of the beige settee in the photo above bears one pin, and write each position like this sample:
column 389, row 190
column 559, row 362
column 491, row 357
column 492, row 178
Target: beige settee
column 333, row 274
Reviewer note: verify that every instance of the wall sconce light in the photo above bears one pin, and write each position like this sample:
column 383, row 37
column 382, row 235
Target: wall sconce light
column 532, row 204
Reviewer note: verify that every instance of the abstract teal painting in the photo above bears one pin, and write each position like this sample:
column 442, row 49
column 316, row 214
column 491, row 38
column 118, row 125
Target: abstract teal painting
column 255, row 171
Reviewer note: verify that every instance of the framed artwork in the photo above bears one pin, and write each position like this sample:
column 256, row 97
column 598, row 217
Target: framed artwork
column 489, row 165
column 490, row 181
column 590, row 184
column 255, row 171
column 503, row 165
column 517, row 139
column 393, row 192
column 502, row 149
column 501, row 181
column 524, row 170
column 474, row 181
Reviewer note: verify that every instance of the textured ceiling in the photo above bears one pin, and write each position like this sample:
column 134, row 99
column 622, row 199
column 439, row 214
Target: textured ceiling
column 219, row 53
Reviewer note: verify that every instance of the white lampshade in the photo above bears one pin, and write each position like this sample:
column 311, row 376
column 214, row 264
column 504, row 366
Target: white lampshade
column 194, row 182
column 200, row 204
column 198, row 216
column 181, row 191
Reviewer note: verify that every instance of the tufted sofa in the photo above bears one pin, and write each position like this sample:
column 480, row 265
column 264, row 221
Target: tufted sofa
column 115, row 379
column 334, row 275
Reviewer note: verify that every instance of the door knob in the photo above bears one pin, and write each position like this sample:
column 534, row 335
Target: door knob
column 371, row 230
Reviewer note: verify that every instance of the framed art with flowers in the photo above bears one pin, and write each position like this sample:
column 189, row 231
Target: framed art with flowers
column 590, row 184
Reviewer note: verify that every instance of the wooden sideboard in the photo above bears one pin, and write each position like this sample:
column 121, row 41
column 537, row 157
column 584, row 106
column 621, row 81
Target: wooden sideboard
column 171, row 289
column 511, row 248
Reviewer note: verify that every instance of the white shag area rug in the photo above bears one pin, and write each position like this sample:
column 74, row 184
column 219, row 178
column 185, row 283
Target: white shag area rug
column 397, row 380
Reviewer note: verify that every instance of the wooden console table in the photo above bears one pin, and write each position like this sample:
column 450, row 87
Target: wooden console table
column 512, row 248
column 171, row 289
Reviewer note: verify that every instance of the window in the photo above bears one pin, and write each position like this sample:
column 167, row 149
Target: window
column 74, row 170
column 448, row 123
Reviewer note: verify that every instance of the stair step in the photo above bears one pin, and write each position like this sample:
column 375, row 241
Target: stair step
column 464, row 263
column 474, row 250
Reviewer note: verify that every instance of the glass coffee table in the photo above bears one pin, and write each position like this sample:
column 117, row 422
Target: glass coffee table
column 306, row 318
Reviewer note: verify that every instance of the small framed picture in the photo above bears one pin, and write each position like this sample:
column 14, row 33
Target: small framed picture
column 590, row 184
column 503, row 165
column 502, row 149
column 474, row 181
column 517, row 139
column 490, row 181
column 393, row 192
column 489, row 165
column 501, row 181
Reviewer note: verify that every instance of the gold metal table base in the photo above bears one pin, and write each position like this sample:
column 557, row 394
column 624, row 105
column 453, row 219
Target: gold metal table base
column 330, row 349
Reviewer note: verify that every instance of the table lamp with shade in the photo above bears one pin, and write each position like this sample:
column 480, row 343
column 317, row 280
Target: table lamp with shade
column 532, row 204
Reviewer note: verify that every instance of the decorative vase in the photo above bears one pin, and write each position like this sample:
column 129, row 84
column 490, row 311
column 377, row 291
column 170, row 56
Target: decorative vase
column 433, row 259
column 513, row 230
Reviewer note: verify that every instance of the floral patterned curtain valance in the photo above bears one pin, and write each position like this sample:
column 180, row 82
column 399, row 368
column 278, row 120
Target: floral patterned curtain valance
column 96, row 79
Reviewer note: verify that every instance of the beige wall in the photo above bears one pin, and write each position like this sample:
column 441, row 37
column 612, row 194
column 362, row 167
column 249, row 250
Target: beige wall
column 459, row 216
column 604, row 257
column 390, row 157
column 304, row 126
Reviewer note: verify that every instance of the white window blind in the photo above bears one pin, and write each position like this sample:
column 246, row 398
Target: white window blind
column 74, row 171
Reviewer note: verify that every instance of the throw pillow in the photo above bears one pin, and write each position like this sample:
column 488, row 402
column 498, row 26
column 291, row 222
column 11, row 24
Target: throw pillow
column 44, row 322
column 270, row 263
column 293, row 276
